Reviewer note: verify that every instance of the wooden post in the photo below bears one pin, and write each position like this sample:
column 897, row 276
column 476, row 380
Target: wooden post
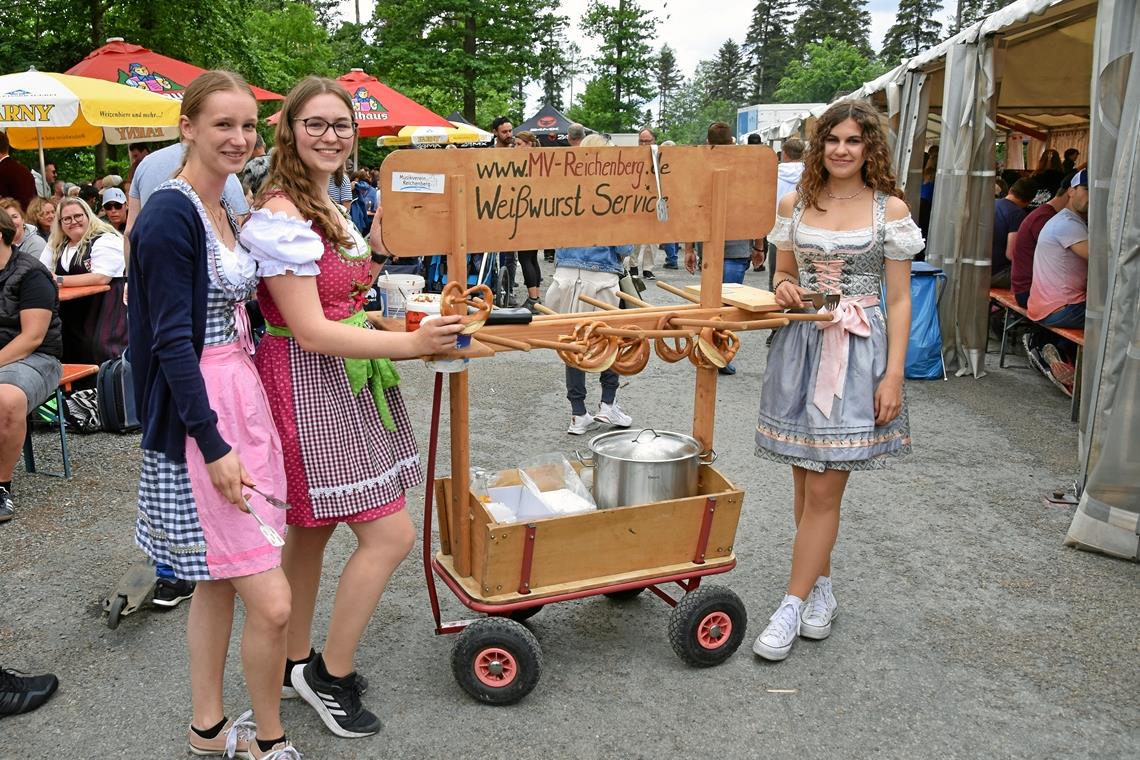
column 457, row 393
column 712, row 277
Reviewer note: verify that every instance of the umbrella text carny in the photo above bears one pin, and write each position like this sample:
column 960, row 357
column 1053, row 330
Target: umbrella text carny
column 35, row 113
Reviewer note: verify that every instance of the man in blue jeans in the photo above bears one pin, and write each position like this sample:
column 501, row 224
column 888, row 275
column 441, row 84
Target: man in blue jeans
column 737, row 253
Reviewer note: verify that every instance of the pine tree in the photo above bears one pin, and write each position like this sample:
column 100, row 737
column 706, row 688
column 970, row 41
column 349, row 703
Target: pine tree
column 728, row 75
column 841, row 20
column 767, row 47
column 970, row 11
column 624, row 63
column 668, row 77
column 552, row 56
column 915, row 29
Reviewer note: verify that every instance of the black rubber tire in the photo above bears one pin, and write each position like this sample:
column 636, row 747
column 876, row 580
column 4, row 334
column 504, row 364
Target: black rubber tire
column 499, row 633
column 115, row 611
column 503, row 289
column 527, row 614
column 624, row 596
column 685, row 621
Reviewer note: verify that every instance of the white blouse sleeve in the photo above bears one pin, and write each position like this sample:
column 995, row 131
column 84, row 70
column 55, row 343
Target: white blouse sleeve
column 781, row 234
column 903, row 239
column 281, row 243
column 107, row 256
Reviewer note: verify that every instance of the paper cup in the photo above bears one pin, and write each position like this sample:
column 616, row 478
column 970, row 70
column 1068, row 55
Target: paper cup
column 420, row 306
column 461, row 340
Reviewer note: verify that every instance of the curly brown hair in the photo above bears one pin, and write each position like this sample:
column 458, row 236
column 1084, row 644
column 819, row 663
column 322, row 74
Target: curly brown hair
column 876, row 160
column 287, row 173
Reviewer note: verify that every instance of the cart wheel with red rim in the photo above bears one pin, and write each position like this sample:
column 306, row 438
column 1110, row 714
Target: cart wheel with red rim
column 707, row 626
column 497, row 660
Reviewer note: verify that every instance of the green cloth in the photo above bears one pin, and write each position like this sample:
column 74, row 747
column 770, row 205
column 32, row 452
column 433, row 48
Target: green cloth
column 377, row 374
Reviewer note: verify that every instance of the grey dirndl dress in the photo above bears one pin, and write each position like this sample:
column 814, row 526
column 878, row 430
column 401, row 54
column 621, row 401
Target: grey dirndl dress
column 817, row 403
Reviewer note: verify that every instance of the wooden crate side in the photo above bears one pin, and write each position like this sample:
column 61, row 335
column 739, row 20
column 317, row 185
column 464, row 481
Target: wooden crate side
column 610, row 542
column 481, row 522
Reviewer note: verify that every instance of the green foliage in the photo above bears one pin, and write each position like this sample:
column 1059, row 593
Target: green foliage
column 767, row 47
column 668, row 78
column 915, row 29
column 843, row 20
column 728, row 80
column 624, row 65
column 829, row 68
column 291, row 46
column 686, row 119
column 553, row 57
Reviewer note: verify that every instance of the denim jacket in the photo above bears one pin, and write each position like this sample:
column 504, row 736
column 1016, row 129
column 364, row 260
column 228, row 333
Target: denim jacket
column 594, row 258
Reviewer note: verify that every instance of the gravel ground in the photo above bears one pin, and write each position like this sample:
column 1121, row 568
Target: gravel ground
column 966, row 629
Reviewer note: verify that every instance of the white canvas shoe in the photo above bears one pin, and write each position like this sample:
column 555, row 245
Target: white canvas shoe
column 580, row 424
column 782, row 631
column 818, row 611
column 612, row 414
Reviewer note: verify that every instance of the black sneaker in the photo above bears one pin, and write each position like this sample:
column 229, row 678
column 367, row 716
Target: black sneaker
column 7, row 508
column 21, row 693
column 169, row 593
column 671, row 266
column 648, row 275
column 287, row 690
column 336, row 701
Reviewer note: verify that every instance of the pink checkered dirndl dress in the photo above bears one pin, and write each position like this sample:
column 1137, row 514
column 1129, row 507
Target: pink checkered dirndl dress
column 342, row 463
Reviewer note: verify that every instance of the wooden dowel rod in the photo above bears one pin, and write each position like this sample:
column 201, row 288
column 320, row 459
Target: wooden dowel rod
column 686, row 322
column 800, row 316
column 553, row 344
column 586, row 316
column 505, row 342
column 595, row 302
column 678, row 292
column 632, row 299
column 762, row 324
column 544, row 309
column 626, row 333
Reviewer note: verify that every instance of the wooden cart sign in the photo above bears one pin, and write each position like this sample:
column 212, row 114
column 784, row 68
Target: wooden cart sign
column 515, row 199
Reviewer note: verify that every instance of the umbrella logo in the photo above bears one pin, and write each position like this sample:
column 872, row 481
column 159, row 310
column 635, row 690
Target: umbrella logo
column 35, row 113
column 16, row 94
column 367, row 107
column 140, row 76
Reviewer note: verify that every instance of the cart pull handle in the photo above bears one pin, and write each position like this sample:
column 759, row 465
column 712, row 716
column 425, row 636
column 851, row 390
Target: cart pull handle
column 582, row 458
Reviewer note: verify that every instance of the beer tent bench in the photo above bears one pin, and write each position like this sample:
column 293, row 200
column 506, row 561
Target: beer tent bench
column 492, row 200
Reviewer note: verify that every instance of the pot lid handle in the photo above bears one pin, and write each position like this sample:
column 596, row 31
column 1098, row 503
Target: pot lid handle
column 647, row 430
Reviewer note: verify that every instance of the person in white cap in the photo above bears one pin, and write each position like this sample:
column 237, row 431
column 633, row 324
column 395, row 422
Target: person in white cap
column 115, row 208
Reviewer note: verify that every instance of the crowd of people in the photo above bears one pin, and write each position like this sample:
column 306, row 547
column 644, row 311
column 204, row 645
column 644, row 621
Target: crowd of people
column 316, row 416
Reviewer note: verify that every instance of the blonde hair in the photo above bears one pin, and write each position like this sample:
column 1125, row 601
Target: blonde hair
column 195, row 95
column 36, row 209
column 595, row 141
column 287, row 173
column 57, row 241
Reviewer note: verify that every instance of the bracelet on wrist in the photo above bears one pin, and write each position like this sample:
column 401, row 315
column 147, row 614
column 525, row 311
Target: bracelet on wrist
column 378, row 258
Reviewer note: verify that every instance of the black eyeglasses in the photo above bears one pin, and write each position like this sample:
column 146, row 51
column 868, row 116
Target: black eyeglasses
column 315, row 127
column 112, row 205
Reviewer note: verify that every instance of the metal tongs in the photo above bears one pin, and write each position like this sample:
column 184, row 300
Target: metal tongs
column 662, row 204
column 271, row 535
column 824, row 301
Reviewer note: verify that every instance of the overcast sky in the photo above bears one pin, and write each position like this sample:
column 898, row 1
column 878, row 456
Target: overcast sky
column 695, row 29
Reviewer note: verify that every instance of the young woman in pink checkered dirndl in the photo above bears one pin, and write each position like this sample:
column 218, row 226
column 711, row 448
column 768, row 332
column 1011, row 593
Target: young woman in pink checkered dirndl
column 349, row 449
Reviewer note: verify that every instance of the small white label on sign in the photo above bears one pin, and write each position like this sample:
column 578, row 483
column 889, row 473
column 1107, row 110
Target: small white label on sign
column 412, row 182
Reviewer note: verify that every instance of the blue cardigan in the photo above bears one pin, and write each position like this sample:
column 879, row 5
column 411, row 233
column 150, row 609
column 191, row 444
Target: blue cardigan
column 168, row 283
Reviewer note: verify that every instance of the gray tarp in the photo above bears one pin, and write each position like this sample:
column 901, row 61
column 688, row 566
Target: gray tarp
column 961, row 217
column 1107, row 517
column 908, row 104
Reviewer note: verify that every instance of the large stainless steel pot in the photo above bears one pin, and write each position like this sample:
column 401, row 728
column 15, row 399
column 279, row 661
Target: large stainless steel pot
column 644, row 466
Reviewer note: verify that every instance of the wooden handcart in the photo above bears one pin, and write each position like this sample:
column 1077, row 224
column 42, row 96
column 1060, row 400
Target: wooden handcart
column 492, row 200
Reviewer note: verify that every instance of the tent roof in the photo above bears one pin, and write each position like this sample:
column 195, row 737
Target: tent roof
column 455, row 116
column 548, row 121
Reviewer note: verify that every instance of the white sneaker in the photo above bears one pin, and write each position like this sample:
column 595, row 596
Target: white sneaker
column 782, row 631
column 818, row 611
column 582, row 423
column 612, row 414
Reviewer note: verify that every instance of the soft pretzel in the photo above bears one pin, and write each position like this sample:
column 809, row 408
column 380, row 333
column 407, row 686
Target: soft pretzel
column 455, row 300
column 714, row 348
column 632, row 354
column 600, row 353
column 680, row 346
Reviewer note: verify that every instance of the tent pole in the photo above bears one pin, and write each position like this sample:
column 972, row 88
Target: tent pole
column 43, row 166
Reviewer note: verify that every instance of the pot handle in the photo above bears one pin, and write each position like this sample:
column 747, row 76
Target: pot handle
column 582, row 458
column 711, row 454
column 646, row 430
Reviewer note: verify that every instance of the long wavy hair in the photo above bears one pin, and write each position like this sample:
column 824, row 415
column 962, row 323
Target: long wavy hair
column 58, row 240
column 36, row 210
column 1050, row 161
column 288, row 174
column 876, row 160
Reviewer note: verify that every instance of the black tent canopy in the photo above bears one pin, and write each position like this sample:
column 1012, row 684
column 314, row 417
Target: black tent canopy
column 456, row 116
column 549, row 125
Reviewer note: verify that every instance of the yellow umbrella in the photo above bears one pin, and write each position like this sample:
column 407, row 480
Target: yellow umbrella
column 458, row 134
column 40, row 109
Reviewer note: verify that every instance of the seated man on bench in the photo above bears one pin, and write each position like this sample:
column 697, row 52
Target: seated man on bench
column 31, row 344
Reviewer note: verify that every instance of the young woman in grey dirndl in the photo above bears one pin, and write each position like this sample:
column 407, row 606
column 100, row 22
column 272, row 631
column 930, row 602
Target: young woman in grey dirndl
column 832, row 399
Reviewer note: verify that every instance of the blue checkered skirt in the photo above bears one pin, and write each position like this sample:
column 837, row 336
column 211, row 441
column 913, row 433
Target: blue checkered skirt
column 167, row 529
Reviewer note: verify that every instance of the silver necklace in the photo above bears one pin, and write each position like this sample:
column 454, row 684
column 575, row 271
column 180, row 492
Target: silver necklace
column 846, row 197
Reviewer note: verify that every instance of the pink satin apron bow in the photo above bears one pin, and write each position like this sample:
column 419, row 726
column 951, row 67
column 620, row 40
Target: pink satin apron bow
column 848, row 317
